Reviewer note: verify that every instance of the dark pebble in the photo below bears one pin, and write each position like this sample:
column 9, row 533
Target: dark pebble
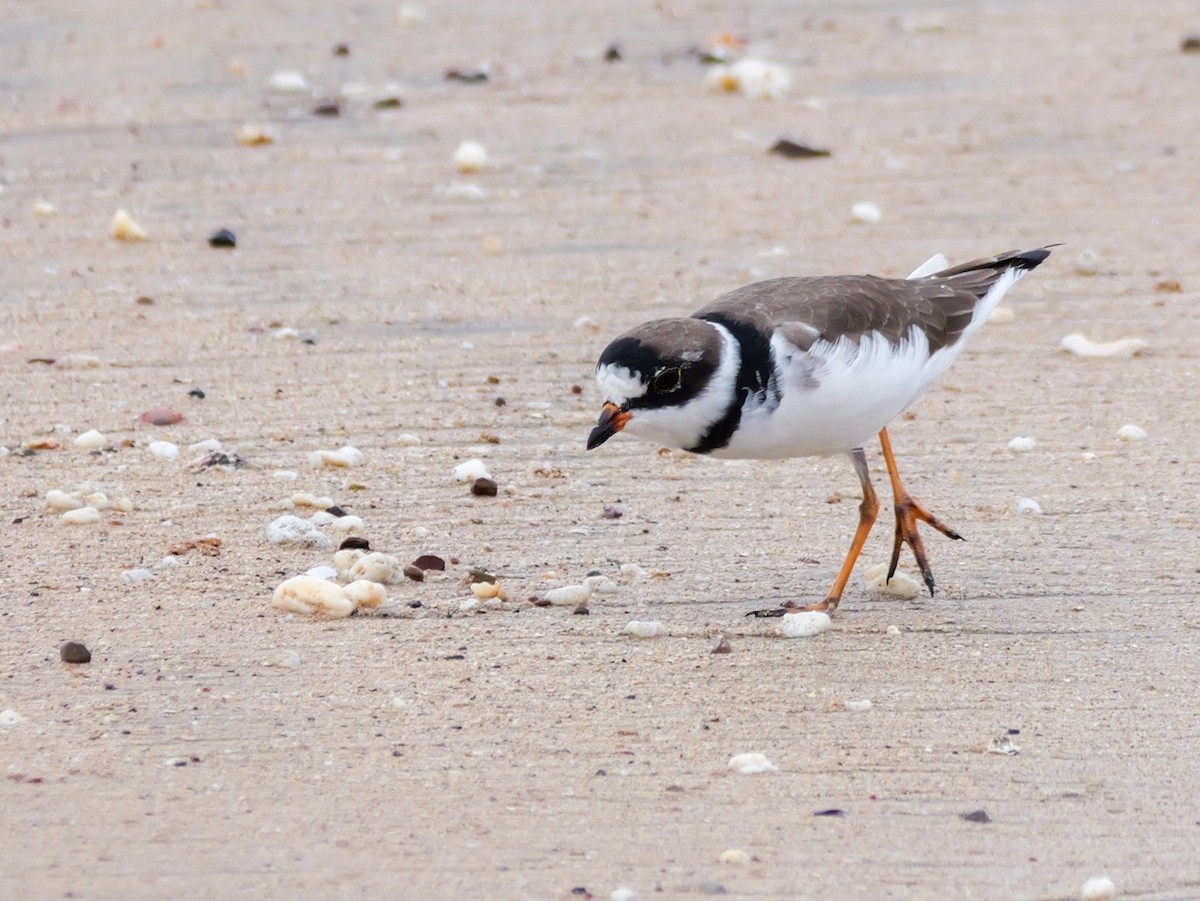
column 500, row 402
column 341, row 50
column 479, row 575
column 1014, row 731
column 196, row 393
column 327, row 108
column 74, row 652
column 414, row 604
column 612, row 54
column 414, row 572
column 354, row 543
column 484, row 488
column 388, row 103
column 976, row 816
column 723, row 646
column 794, row 151
column 336, row 511
column 430, row 561
column 581, row 891
column 582, row 610
column 539, row 602
column 467, row 76
column 612, row 512
column 1191, row 44
column 831, row 812
column 712, row 888
column 222, row 238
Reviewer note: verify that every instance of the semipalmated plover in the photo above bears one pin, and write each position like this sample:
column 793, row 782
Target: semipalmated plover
column 798, row 367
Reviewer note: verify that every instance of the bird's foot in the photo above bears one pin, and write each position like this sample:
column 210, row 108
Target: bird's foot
column 826, row 606
column 908, row 514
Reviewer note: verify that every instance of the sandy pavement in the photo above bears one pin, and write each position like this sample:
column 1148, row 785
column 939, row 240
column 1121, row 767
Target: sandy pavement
column 531, row 754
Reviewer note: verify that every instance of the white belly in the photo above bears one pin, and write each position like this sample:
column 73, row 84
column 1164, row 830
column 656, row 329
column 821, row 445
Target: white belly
column 836, row 397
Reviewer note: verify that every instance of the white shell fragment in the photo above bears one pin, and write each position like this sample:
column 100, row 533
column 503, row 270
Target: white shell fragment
column 900, row 585
column 288, row 82
column 165, row 449
column 1084, row 347
column 338, row 459
column 322, row 572
column 751, row 763
column 90, row 440
column 347, row 523
column 372, row 567
column 1131, row 432
column 84, row 516
column 308, row 499
column 61, row 501
column 306, row 595
column 464, row 191
column 346, row 558
column 755, row 79
column 804, row 624
column 471, row 156
column 1029, row 505
column 1021, row 444
column 600, row 585
column 622, row 894
column 1098, row 888
column 10, row 717
column 365, row 594
column 644, row 629
column 254, row 136
column 44, row 208
column 125, row 229
column 734, row 856
column 293, row 530
column 865, row 211
column 133, row 576
column 570, row 596
column 470, row 471
column 861, row 705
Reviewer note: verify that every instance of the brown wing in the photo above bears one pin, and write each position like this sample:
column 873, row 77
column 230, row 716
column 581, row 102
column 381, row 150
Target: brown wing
column 853, row 305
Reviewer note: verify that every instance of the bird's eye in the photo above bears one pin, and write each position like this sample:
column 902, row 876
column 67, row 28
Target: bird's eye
column 668, row 380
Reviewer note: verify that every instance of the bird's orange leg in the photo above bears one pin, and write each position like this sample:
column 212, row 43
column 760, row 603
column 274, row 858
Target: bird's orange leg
column 867, row 511
column 908, row 514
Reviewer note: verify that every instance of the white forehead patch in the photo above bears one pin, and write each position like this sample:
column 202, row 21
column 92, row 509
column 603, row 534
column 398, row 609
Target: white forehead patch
column 619, row 383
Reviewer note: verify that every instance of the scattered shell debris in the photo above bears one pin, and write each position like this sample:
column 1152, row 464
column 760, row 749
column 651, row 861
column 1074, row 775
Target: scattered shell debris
column 292, row 530
column 90, row 440
column 1084, row 347
column 287, row 81
column 804, row 624
column 753, row 78
column 84, row 516
column 307, row 595
column 1003, row 744
column 254, row 136
column 750, row 763
column 1131, row 432
column 900, row 585
column 734, row 856
column 471, row 470
column 1098, row 888
column 123, row 228
column 1029, row 505
column 471, row 156
column 865, row 211
column 61, row 501
column 644, row 629
column 1021, row 444
column 339, row 459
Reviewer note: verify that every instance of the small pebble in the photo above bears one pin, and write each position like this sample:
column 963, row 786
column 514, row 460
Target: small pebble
column 1004, row 745
column 493, row 245
column 487, row 590
column 84, row 516
column 723, row 646
column 1029, row 505
column 1083, row 347
column 464, row 191
column 288, row 82
column 976, row 816
column 333, row 108
column 355, row 542
column 622, row 894
column 61, row 501
column 734, row 856
column 900, row 585
column 470, row 605
column 306, row 595
column 645, row 629
column 133, row 576
column 1190, row 44
column 407, row 440
column 74, row 652
column 285, row 660
column 633, row 571
column 1020, row 444
column 581, row 610
column 893, row 630
column 347, row 523
column 867, row 212
column 568, row 595
column 254, row 136
column 44, row 208
column 471, row 156
column 470, row 471
column 165, row 449
column 484, row 487
column 859, row 706
column 1098, row 888
column 804, row 624
column 430, row 561
column 161, row 416
column 90, row 440
column 600, row 584
column 338, row 459
column 125, row 229
column 751, row 763
column 612, row 512
column 292, row 530
column 222, row 238
column 10, row 717
column 1131, row 432
column 792, row 150
column 414, row 572
column 754, row 79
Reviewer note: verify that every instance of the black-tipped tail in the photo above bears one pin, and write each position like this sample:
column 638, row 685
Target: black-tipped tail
column 1021, row 260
